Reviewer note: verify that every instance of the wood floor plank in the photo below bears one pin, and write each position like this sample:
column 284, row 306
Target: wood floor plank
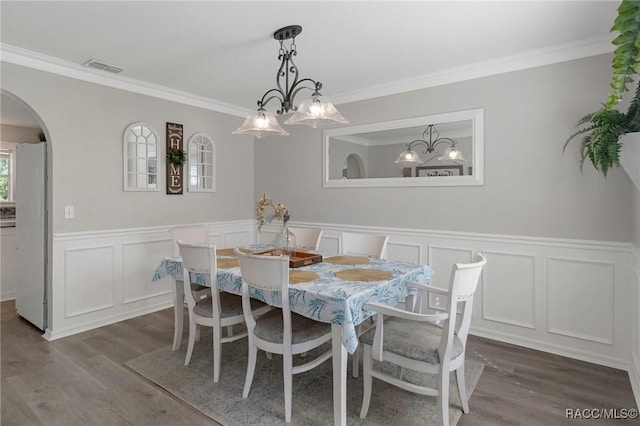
column 81, row 380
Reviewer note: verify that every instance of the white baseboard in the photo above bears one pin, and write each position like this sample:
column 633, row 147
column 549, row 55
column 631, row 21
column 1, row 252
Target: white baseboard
column 9, row 295
column 90, row 325
column 561, row 350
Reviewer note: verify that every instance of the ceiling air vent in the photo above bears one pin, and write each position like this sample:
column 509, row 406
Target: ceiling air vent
column 93, row 63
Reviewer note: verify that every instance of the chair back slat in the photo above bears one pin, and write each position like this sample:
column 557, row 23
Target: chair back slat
column 464, row 282
column 465, row 278
column 364, row 244
column 264, row 272
column 199, row 259
column 307, row 237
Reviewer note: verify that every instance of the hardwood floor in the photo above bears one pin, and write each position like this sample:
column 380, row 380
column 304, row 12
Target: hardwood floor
column 81, row 380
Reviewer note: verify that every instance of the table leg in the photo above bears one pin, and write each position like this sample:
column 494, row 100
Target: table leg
column 178, row 313
column 339, row 376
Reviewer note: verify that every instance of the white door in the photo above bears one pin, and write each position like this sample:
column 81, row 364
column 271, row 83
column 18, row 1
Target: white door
column 31, row 232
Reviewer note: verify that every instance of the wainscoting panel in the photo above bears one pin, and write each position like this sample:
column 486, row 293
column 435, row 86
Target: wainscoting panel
column 580, row 299
column 441, row 259
column 104, row 277
column 139, row 261
column 90, row 279
column 571, row 297
column 411, row 252
column 509, row 276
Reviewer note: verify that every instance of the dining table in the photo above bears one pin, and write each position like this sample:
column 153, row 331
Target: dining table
column 333, row 291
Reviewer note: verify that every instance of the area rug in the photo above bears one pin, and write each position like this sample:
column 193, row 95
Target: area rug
column 312, row 391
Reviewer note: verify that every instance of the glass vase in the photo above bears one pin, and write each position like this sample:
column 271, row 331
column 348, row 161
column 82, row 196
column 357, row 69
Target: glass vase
column 286, row 241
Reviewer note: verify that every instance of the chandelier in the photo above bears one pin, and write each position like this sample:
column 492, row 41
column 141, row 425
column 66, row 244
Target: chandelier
column 311, row 112
column 410, row 157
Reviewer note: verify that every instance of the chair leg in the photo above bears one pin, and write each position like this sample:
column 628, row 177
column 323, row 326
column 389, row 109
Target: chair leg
column 251, row 368
column 287, row 363
column 192, row 340
column 217, row 353
column 230, row 331
column 366, row 381
column 462, row 389
column 443, row 397
column 197, row 333
column 355, row 363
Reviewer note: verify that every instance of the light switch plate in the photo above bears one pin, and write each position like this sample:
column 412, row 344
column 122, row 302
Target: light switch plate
column 68, row 212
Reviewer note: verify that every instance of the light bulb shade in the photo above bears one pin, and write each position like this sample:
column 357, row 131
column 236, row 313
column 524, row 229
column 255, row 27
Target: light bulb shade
column 452, row 153
column 261, row 124
column 408, row 158
column 314, row 111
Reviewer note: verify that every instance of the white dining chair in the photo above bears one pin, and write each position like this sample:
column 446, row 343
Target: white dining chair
column 364, row 244
column 198, row 235
column 308, row 238
column 218, row 309
column 280, row 331
column 428, row 343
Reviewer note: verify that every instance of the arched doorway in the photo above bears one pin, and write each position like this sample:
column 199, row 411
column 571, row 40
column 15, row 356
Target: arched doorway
column 353, row 167
column 25, row 132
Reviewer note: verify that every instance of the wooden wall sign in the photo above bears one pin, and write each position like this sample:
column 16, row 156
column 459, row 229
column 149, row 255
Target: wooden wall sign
column 175, row 175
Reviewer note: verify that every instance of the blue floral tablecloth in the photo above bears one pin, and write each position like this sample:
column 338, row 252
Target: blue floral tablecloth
column 328, row 298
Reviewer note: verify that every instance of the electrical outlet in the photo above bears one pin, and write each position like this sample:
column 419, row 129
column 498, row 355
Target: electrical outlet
column 68, row 212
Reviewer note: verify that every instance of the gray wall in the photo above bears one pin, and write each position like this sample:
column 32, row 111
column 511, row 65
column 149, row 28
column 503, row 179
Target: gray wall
column 85, row 123
column 530, row 188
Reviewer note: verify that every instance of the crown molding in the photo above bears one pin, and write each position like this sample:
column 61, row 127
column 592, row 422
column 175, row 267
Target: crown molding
column 517, row 62
column 27, row 58
column 520, row 61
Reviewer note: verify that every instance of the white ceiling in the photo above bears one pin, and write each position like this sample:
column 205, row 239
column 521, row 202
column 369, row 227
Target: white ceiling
column 224, row 51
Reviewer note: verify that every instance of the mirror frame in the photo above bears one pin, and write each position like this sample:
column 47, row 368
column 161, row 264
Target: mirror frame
column 475, row 115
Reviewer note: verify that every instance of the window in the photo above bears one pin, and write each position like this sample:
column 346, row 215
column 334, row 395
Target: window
column 140, row 145
column 201, row 163
column 6, row 176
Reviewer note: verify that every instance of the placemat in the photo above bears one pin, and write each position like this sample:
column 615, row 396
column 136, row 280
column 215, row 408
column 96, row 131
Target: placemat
column 363, row 275
column 297, row 277
column 225, row 263
column 347, row 260
column 225, row 252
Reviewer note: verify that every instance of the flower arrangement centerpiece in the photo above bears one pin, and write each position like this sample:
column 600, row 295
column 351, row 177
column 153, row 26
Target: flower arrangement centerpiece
column 285, row 239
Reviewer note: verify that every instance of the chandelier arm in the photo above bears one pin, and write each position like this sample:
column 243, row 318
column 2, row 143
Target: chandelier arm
column 294, row 91
column 449, row 141
column 264, row 100
column 431, row 146
column 428, row 147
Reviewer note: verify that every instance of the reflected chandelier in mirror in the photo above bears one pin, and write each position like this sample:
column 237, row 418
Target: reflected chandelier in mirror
column 363, row 156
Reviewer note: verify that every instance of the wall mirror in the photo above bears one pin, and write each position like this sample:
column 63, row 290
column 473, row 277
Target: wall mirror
column 436, row 150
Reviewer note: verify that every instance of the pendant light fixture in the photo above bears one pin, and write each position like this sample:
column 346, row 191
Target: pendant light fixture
column 311, row 112
column 410, row 158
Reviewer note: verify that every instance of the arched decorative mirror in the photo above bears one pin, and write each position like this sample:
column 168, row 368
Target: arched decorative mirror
column 436, row 150
column 140, row 149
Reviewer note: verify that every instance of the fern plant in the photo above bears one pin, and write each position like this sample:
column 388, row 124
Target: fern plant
column 603, row 128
